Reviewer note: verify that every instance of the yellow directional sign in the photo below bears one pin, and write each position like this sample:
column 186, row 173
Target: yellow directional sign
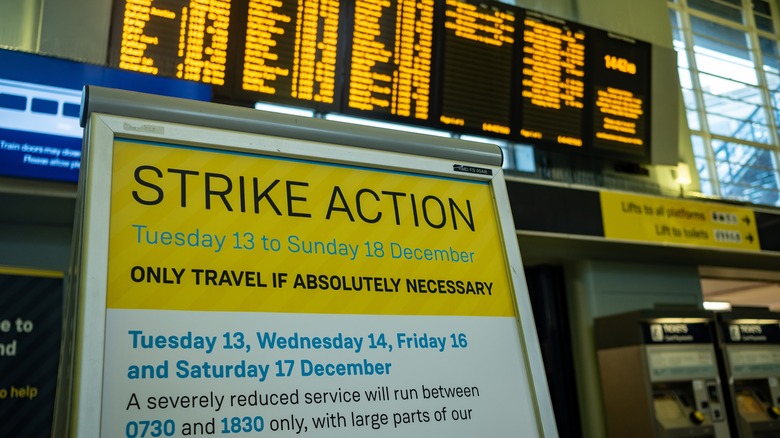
column 654, row 219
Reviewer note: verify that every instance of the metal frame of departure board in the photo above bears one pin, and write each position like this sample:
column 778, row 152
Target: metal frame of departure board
column 465, row 66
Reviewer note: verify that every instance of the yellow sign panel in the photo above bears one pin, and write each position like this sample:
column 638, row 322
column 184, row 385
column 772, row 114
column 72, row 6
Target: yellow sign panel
column 195, row 229
column 652, row 219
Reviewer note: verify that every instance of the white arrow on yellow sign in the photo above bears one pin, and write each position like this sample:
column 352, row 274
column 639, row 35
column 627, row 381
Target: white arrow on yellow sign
column 654, row 219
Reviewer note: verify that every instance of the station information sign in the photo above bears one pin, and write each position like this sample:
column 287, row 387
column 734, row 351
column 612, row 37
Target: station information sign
column 553, row 80
column 183, row 39
column 390, row 58
column 237, row 281
column 476, row 74
column 621, row 92
column 31, row 303
column 290, row 49
column 466, row 66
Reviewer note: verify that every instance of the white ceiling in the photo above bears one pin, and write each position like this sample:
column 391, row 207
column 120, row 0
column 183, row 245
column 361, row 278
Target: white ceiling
column 764, row 293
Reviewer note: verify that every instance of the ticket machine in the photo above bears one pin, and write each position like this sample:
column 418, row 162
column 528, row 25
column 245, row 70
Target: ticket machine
column 659, row 374
column 749, row 341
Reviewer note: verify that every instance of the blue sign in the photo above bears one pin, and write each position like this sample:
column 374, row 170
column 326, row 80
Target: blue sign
column 40, row 100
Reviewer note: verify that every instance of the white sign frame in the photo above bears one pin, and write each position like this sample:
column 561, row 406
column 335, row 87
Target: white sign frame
column 113, row 114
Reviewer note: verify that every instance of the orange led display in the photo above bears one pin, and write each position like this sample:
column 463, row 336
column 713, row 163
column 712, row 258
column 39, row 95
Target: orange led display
column 553, row 80
column 477, row 67
column 290, row 49
column 620, row 87
column 391, row 57
column 183, row 39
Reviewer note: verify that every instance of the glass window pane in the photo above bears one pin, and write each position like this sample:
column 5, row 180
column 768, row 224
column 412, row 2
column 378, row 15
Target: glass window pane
column 723, row 52
column 768, row 46
column 764, row 23
column 674, row 19
column 723, row 168
column 724, row 150
column 749, row 194
column 717, row 36
column 775, row 96
column 702, row 168
column 729, row 12
column 748, row 95
column 721, row 86
column 771, row 74
column 677, row 36
column 734, row 108
column 682, row 58
column 740, row 129
column 693, row 120
column 772, row 80
column 772, row 65
column 741, row 155
column 758, row 132
column 725, row 67
column 733, row 100
column 735, row 161
column 769, row 52
column 689, row 98
column 698, row 146
column 706, row 187
column 685, row 78
column 762, row 7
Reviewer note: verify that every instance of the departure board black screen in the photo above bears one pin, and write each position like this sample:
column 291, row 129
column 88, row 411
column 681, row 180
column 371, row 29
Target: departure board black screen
column 621, row 92
column 476, row 72
column 467, row 66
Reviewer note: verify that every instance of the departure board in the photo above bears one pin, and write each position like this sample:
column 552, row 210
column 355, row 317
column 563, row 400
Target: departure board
column 553, row 80
column 476, row 76
column 479, row 67
column 621, row 89
column 186, row 39
column 289, row 50
column 390, row 58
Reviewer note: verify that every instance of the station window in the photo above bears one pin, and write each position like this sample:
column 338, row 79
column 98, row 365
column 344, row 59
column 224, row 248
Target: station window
column 729, row 67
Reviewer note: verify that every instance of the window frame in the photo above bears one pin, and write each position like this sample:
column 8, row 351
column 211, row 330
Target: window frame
column 682, row 28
